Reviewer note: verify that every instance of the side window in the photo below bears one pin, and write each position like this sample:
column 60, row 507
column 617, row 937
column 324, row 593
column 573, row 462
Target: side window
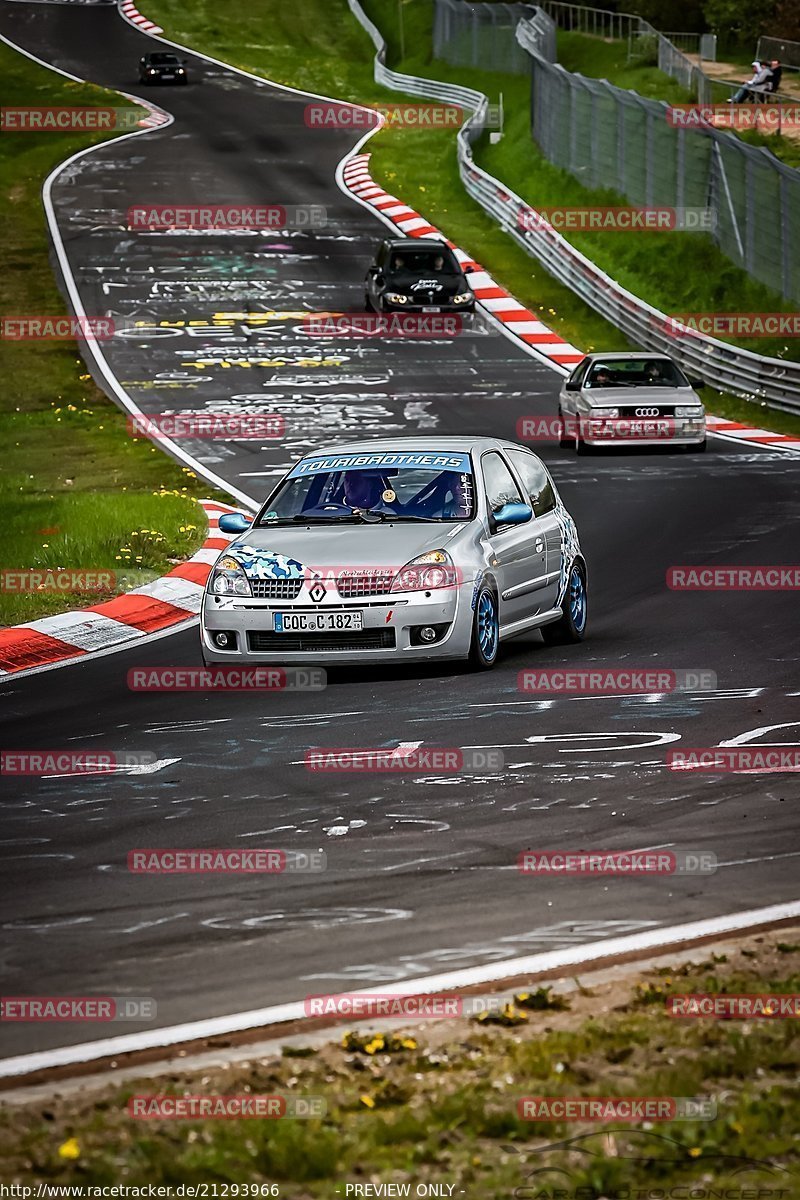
column 499, row 483
column 579, row 373
column 535, row 480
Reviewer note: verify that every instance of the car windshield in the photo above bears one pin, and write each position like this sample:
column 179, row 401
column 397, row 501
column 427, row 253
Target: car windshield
column 636, row 372
column 422, row 262
column 163, row 60
column 401, row 486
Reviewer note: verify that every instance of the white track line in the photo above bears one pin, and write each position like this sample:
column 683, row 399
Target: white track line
column 509, row 968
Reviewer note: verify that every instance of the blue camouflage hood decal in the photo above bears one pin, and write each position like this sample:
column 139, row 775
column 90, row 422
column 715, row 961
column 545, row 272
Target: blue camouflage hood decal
column 267, row 564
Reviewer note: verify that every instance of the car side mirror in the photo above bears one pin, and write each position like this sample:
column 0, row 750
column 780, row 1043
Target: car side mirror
column 697, row 384
column 572, row 385
column 380, row 279
column 234, row 523
column 513, row 514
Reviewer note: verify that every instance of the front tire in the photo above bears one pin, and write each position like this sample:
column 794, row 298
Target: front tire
column 571, row 626
column 485, row 630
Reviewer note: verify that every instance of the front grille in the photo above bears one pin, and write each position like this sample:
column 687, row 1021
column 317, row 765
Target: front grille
column 661, row 411
column 364, row 583
column 276, row 589
column 364, row 639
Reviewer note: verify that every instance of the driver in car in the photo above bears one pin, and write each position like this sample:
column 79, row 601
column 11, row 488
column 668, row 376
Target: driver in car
column 363, row 490
column 601, row 377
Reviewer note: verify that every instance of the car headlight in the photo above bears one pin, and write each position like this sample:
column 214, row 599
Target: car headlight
column 180, row 71
column 604, row 414
column 462, row 298
column 228, row 578
column 396, row 298
column 152, row 71
column 690, row 410
column 435, row 569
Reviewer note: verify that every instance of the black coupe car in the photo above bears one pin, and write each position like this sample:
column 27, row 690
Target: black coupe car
column 419, row 275
column 162, row 68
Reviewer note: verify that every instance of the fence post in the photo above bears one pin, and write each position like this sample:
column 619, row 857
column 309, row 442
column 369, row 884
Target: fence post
column 649, row 178
column 786, row 247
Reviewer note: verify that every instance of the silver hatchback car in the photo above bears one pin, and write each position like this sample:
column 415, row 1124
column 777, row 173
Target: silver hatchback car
column 631, row 399
column 406, row 548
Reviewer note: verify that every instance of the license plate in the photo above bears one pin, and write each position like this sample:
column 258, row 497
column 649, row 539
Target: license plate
column 317, row 622
column 429, row 308
column 167, row 76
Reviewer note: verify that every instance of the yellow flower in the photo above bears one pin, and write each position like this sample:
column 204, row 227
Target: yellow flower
column 409, row 1043
column 695, row 1152
column 377, row 1043
column 367, row 1101
column 69, row 1149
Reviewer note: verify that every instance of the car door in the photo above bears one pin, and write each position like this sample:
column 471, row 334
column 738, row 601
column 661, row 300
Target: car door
column 570, row 392
column 519, row 558
column 541, row 495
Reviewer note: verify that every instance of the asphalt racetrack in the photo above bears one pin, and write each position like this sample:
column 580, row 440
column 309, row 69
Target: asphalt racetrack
column 422, row 870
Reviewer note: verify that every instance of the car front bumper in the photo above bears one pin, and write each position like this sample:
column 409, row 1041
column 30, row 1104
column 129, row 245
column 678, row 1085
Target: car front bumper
column 388, row 623
column 632, row 431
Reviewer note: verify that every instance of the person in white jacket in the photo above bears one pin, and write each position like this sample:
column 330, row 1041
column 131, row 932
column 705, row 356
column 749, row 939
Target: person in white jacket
column 761, row 75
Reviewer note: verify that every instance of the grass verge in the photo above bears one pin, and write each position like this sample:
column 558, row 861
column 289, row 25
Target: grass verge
column 439, row 1103
column 76, row 489
column 322, row 48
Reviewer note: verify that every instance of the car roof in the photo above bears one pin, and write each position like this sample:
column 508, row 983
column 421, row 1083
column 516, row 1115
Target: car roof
column 463, row 444
column 416, row 243
column 618, row 354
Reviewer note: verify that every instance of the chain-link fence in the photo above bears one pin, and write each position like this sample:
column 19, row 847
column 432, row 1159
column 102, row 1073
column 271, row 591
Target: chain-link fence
column 483, row 36
column 610, row 138
column 644, row 41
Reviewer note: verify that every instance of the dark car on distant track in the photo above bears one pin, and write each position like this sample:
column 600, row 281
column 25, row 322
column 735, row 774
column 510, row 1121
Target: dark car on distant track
column 419, row 275
column 162, row 68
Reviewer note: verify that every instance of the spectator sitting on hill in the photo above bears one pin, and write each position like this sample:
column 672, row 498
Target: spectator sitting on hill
column 761, row 76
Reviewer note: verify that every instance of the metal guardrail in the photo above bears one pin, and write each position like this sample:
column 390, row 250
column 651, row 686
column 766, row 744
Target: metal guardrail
column 721, row 365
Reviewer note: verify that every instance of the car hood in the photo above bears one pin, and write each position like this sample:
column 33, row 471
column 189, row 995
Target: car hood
column 646, row 397
column 266, row 552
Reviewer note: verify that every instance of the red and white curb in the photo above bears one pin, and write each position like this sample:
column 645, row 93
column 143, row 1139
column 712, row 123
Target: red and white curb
column 498, row 303
column 132, row 14
column 746, row 433
column 167, row 602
